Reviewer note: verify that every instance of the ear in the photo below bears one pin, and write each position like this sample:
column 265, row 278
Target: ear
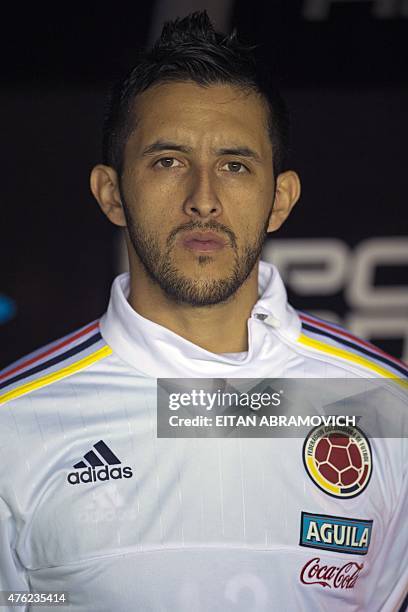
column 105, row 188
column 286, row 195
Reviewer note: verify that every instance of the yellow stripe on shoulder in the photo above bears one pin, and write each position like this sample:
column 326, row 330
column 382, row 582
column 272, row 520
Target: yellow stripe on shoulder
column 63, row 373
column 343, row 354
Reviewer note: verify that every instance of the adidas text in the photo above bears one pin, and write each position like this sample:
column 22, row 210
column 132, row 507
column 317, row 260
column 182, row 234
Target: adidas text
column 104, row 473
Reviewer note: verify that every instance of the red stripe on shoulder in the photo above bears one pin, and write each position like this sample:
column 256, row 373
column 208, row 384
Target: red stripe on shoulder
column 51, row 350
column 345, row 334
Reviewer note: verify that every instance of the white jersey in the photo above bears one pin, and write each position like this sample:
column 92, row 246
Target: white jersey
column 94, row 504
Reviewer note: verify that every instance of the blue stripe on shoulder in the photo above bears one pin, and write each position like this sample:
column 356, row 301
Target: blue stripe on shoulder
column 356, row 347
column 53, row 361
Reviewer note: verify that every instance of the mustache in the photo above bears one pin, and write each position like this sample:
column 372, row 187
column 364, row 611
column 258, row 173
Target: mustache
column 212, row 225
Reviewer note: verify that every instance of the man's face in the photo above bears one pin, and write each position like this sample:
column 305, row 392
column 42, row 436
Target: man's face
column 197, row 188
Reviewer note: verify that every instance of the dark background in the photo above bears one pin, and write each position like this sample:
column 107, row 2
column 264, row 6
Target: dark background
column 342, row 67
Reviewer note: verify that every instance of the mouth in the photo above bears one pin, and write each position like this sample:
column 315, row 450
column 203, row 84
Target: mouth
column 203, row 241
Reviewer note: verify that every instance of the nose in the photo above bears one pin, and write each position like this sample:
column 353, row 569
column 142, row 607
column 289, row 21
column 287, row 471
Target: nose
column 202, row 200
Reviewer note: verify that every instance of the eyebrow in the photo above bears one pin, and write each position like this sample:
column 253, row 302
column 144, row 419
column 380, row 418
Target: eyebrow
column 165, row 145
column 240, row 152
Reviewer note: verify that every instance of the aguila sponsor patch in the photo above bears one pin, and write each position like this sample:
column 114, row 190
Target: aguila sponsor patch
column 338, row 460
column 346, row 535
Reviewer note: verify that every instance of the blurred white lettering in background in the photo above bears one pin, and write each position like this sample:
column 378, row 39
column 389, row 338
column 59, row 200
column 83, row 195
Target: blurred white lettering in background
column 326, row 267
column 319, row 10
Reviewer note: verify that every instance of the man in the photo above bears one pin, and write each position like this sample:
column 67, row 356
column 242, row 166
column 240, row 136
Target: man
column 92, row 502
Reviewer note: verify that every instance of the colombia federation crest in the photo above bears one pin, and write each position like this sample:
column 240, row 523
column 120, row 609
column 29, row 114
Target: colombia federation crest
column 338, row 460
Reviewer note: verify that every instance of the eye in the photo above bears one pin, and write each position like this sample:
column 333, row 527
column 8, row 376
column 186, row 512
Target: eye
column 235, row 167
column 168, row 162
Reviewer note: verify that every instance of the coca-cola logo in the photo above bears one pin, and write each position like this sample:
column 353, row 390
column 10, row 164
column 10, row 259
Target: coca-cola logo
column 332, row 576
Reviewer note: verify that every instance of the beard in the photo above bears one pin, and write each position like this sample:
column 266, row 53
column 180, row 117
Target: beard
column 160, row 268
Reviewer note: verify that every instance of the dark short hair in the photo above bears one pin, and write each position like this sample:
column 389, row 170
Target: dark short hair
column 189, row 49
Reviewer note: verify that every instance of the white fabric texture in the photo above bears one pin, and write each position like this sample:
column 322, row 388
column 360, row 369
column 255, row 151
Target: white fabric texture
column 210, row 525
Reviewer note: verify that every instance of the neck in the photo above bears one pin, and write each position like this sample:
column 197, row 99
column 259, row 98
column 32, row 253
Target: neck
column 220, row 328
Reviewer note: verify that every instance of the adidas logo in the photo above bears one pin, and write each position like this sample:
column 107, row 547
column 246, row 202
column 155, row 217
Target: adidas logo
column 97, row 466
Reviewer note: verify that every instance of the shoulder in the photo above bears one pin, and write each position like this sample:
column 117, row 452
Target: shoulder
column 53, row 362
column 327, row 341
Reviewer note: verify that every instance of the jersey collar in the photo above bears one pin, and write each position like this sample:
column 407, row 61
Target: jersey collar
column 157, row 351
